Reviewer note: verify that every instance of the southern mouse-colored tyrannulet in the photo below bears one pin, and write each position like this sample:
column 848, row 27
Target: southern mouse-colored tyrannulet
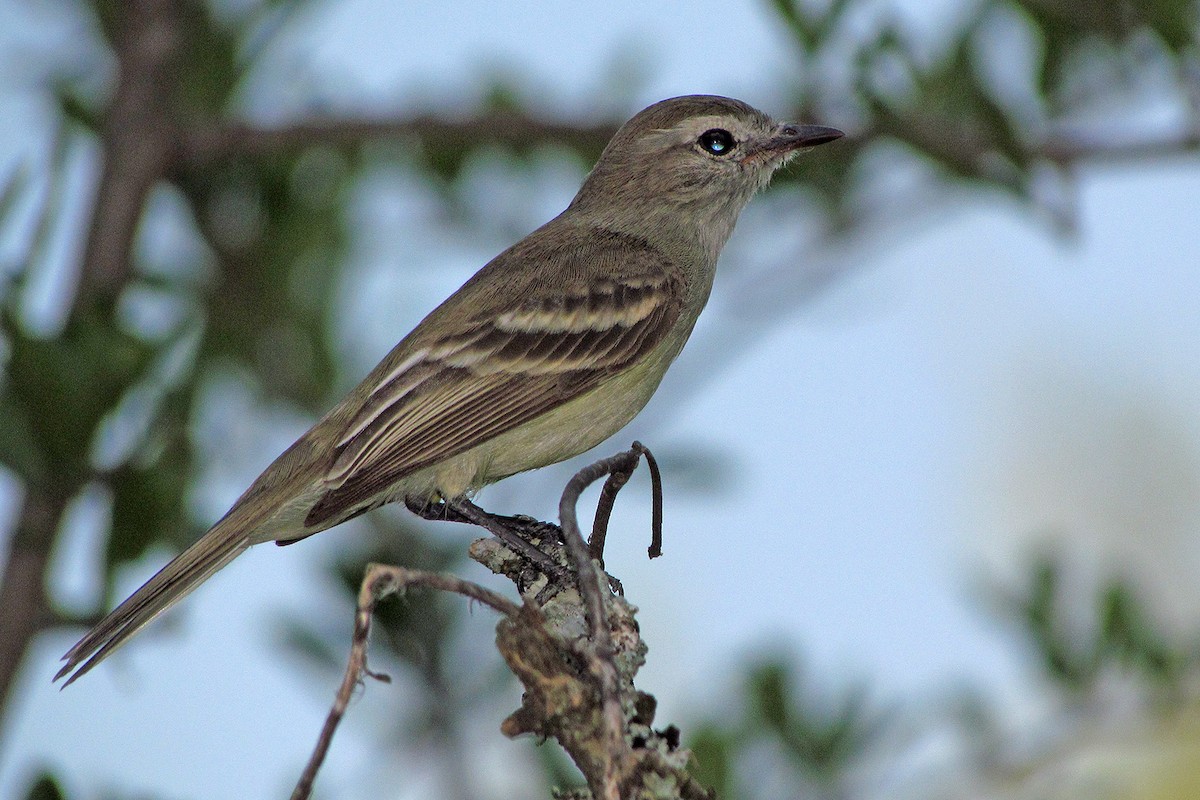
column 547, row 351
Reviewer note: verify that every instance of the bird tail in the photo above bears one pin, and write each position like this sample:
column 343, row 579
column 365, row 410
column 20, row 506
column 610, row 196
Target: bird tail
column 224, row 542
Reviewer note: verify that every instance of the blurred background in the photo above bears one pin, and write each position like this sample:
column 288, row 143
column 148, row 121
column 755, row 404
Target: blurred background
column 932, row 458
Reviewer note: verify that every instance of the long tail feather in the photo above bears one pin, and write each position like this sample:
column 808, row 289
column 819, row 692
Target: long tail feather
column 172, row 583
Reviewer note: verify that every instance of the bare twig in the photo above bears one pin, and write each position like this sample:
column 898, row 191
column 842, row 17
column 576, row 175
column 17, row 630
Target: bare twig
column 656, row 501
column 608, row 496
column 380, row 581
column 592, row 587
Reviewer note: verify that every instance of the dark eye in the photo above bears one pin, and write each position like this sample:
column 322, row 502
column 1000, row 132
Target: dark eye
column 717, row 141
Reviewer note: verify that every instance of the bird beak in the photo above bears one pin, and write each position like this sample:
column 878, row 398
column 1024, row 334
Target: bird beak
column 790, row 136
column 787, row 140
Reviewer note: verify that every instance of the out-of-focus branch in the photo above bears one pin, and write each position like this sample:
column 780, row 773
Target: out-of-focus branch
column 210, row 142
column 1062, row 148
column 23, row 585
column 139, row 140
column 1072, row 149
column 221, row 140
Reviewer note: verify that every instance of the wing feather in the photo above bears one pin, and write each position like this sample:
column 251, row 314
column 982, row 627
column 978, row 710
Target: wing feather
column 496, row 372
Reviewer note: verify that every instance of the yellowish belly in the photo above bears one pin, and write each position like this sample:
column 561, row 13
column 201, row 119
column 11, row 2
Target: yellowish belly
column 555, row 436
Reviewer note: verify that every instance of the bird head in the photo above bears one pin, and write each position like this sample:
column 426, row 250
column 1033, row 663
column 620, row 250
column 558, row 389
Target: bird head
column 692, row 161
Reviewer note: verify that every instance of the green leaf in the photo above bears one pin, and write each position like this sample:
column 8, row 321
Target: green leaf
column 811, row 28
column 278, row 228
column 769, row 690
column 949, row 116
column 1066, row 660
column 20, row 450
column 14, row 186
column 1068, row 28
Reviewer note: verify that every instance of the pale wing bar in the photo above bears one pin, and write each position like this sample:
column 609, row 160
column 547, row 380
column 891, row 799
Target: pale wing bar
column 492, row 378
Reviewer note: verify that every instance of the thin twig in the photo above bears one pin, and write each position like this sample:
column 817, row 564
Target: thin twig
column 656, row 500
column 380, row 581
column 608, row 496
column 591, row 590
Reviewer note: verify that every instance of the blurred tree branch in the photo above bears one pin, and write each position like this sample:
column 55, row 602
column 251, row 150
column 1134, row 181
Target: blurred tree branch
column 510, row 127
column 139, row 139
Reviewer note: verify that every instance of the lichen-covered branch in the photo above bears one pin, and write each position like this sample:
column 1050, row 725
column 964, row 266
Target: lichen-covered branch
column 574, row 645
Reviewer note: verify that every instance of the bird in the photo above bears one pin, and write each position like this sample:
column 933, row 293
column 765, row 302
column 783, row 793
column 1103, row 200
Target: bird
column 552, row 347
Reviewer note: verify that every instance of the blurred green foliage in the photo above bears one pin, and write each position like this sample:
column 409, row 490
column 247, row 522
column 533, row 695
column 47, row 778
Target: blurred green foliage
column 815, row 737
column 1126, row 639
column 45, row 788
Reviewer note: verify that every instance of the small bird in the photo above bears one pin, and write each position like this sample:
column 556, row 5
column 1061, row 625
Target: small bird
column 547, row 351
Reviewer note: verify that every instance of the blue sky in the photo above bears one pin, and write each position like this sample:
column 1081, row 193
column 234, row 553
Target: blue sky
column 970, row 384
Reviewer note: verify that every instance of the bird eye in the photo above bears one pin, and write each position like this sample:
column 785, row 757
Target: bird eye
column 717, row 141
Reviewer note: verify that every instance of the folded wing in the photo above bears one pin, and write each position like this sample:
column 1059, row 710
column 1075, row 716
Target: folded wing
column 500, row 369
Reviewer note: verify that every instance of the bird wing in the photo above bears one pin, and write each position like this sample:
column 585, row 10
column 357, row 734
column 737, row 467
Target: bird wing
column 498, row 369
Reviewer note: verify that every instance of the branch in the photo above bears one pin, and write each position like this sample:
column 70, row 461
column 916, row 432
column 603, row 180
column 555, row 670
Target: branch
column 1066, row 150
column 380, row 581
column 23, row 602
column 577, row 656
column 213, row 142
column 139, row 142
column 598, row 649
column 574, row 646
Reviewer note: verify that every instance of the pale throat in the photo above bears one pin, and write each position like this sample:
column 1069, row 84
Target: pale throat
column 699, row 228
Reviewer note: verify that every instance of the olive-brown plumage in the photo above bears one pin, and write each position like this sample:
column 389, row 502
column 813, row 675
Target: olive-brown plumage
column 547, row 351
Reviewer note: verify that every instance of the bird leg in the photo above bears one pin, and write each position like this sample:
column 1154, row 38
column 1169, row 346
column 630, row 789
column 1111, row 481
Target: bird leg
column 518, row 532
